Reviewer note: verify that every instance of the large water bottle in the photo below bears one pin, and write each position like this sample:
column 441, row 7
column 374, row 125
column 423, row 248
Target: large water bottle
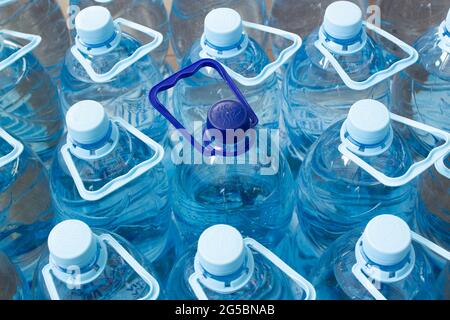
column 358, row 169
column 339, row 64
column 433, row 215
column 109, row 175
column 110, row 66
column 44, row 18
column 225, row 266
column 410, row 19
column 225, row 40
column 422, row 92
column 29, row 104
column 382, row 262
column 149, row 13
column 26, row 212
column 232, row 173
column 301, row 17
column 12, row 283
column 86, row 264
column 187, row 17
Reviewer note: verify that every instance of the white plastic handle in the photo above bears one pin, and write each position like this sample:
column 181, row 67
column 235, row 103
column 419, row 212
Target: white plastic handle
column 380, row 76
column 362, row 278
column 34, row 41
column 270, row 68
column 154, row 288
column 125, row 63
column 118, row 182
column 442, row 168
column 15, row 152
column 307, row 287
column 417, row 168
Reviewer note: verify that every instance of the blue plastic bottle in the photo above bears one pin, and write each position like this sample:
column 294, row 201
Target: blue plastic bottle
column 317, row 93
column 26, row 212
column 336, row 195
column 224, row 40
column 433, row 214
column 43, row 18
column 382, row 262
column 92, row 264
column 225, row 266
column 12, row 283
column 29, row 103
column 187, row 17
column 149, row 13
column 109, row 175
column 422, row 92
column 110, row 66
column 242, row 181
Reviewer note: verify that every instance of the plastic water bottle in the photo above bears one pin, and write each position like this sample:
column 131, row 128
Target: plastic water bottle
column 92, row 264
column 225, row 266
column 225, row 40
column 301, row 17
column 336, row 195
column 109, row 175
column 187, row 17
column 339, row 63
column 29, row 103
column 433, row 214
column 12, row 283
column 43, row 18
column 27, row 215
column 149, row 13
column 422, row 92
column 238, row 181
column 382, row 262
column 113, row 68
column 410, row 19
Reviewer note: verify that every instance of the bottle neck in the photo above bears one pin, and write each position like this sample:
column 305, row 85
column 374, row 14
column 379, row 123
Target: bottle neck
column 74, row 275
column 230, row 283
column 385, row 273
column 98, row 149
column 343, row 46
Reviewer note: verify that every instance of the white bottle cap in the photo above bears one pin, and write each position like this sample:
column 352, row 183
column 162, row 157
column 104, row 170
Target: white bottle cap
column 368, row 122
column 94, row 25
column 343, row 20
column 386, row 240
column 223, row 27
column 72, row 244
column 221, row 250
column 87, row 122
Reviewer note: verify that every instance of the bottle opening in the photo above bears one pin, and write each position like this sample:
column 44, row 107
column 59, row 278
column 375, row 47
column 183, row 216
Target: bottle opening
column 223, row 29
column 221, row 250
column 228, row 115
column 343, row 21
column 368, row 123
column 95, row 27
column 387, row 240
column 88, row 125
column 72, row 244
column 223, row 260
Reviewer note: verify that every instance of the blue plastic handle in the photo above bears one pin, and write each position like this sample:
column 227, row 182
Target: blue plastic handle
column 187, row 72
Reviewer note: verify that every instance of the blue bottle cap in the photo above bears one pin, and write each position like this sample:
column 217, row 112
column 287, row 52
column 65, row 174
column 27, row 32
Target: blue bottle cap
column 228, row 114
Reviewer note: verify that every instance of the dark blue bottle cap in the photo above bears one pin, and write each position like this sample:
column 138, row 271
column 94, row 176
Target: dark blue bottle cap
column 228, row 114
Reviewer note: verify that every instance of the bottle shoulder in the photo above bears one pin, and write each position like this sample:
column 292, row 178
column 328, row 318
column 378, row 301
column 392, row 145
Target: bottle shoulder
column 324, row 162
column 335, row 268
